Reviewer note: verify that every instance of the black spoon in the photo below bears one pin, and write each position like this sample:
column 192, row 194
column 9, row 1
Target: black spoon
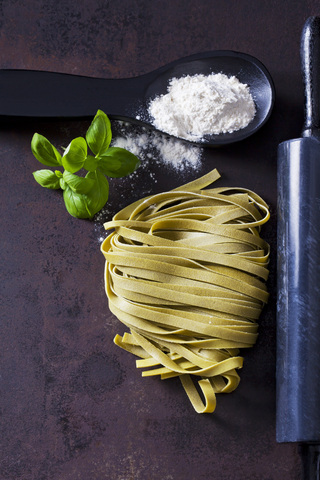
column 30, row 93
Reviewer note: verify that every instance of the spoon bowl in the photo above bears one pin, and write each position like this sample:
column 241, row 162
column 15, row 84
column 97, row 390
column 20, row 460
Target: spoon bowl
column 31, row 93
column 246, row 68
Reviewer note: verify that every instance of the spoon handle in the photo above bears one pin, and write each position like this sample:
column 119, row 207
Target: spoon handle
column 30, row 93
column 310, row 57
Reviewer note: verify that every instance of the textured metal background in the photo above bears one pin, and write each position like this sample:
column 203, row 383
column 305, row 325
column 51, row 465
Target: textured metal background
column 72, row 404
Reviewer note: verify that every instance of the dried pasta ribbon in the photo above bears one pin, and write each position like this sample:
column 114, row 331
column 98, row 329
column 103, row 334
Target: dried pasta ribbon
column 185, row 272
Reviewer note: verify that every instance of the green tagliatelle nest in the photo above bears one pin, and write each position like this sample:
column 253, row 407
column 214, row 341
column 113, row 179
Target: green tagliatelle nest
column 185, row 272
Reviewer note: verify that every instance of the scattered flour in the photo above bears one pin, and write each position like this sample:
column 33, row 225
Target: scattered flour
column 198, row 105
column 153, row 146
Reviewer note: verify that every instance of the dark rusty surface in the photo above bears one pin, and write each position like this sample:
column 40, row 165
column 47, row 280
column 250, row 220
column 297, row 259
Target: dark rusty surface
column 73, row 406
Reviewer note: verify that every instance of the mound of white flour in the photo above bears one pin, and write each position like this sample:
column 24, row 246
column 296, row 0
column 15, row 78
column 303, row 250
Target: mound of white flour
column 198, row 105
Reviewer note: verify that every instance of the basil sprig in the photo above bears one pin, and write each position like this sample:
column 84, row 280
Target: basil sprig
column 83, row 196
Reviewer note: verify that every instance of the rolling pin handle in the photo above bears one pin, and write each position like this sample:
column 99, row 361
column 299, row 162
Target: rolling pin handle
column 310, row 60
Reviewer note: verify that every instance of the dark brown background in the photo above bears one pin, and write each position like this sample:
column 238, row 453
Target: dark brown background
column 73, row 405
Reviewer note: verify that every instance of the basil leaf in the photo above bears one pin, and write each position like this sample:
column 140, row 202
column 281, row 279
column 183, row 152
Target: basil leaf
column 44, row 151
column 99, row 133
column 75, row 155
column 63, row 184
column 76, row 203
column 98, row 195
column 78, row 184
column 109, row 162
column 91, row 163
column 47, row 179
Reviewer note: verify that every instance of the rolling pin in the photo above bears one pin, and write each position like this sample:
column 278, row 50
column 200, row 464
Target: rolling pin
column 298, row 271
